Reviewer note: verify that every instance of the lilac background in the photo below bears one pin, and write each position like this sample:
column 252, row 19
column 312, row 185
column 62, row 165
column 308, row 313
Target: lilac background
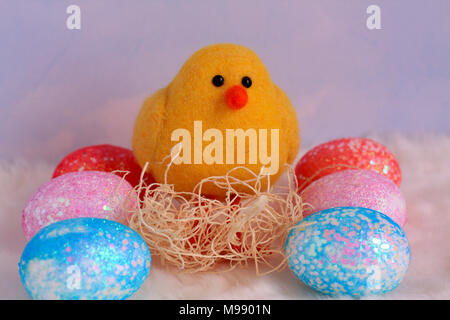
column 62, row 89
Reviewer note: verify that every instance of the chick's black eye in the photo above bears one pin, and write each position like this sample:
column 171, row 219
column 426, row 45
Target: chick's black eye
column 218, row 80
column 246, row 82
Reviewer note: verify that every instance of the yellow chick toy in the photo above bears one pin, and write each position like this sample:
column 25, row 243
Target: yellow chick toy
column 221, row 111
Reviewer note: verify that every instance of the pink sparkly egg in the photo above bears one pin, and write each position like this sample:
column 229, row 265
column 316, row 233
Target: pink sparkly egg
column 79, row 194
column 356, row 188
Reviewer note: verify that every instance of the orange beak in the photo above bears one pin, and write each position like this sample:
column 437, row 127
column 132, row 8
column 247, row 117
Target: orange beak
column 236, row 97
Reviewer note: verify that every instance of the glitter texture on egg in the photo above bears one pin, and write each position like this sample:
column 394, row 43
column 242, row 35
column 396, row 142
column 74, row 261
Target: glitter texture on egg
column 343, row 154
column 79, row 194
column 84, row 258
column 348, row 251
column 106, row 158
column 356, row 188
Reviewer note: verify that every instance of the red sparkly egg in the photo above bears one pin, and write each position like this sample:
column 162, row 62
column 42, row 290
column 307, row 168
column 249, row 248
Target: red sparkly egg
column 106, row 158
column 343, row 154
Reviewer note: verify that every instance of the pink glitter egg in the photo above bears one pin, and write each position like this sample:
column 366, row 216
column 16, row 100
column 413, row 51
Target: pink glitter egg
column 356, row 188
column 79, row 194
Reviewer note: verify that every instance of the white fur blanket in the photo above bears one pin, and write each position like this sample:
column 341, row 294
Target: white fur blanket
column 426, row 185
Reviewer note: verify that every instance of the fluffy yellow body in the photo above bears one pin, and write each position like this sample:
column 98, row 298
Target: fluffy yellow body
column 192, row 96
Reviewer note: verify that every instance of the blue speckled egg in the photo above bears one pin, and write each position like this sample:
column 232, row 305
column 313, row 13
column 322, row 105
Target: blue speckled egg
column 348, row 251
column 84, row 258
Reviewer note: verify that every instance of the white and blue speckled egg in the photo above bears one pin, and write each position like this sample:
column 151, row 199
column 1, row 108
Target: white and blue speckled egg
column 84, row 258
column 348, row 251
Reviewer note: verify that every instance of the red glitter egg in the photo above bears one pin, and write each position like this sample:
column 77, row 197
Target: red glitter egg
column 106, row 158
column 343, row 154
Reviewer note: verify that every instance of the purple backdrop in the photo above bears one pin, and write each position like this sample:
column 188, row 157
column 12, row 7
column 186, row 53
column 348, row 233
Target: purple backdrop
column 61, row 89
